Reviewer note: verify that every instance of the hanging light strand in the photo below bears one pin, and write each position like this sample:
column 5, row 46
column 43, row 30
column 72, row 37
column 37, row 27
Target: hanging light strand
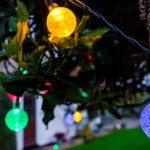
column 48, row 3
column 82, row 5
column 17, row 102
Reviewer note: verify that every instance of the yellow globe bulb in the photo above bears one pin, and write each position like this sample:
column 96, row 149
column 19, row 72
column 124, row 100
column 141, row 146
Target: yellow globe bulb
column 61, row 22
column 77, row 116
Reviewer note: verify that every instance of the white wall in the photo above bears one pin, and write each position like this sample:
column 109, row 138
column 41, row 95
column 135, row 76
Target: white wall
column 45, row 136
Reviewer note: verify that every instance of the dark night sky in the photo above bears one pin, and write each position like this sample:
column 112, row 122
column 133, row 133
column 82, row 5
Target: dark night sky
column 123, row 14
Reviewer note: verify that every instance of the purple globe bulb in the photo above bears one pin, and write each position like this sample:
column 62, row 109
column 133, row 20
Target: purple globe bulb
column 145, row 120
column 68, row 118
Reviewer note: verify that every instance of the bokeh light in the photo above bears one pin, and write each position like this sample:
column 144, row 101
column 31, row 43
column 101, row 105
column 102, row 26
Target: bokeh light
column 77, row 116
column 145, row 120
column 68, row 118
column 61, row 22
column 16, row 119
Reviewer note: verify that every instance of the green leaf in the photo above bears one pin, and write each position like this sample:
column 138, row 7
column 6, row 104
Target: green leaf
column 21, row 32
column 12, row 23
column 86, row 79
column 20, row 59
column 14, row 46
column 99, row 31
column 87, row 66
column 114, row 112
column 50, row 100
column 35, row 57
column 3, row 77
column 66, row 42
column 19, row 84
column 21, row 10
column 10, row 49
column 48, row 110
column 93, row 35
column 110, row 95
column 81, row 26
column 74, row 95
column 19, row 38
column 13, row 88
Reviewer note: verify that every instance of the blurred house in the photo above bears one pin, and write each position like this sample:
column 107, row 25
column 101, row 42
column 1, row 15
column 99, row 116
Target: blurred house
column 36, row 134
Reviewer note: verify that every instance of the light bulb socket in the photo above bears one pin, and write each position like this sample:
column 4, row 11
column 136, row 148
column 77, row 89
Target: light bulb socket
column 17, row 103
column 52, row 6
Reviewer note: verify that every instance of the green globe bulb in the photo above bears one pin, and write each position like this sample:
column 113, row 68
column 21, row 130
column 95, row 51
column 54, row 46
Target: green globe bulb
column 16, row 119
column 56, row 147
column 84, row 94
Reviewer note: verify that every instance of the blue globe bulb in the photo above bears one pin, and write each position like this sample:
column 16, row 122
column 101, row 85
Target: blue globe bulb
column 68, row 118
column 145, row 120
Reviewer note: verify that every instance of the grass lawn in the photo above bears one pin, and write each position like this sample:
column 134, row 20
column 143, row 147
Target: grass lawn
column 124, row 139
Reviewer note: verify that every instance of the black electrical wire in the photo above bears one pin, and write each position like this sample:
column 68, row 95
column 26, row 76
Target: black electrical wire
column 84, row 6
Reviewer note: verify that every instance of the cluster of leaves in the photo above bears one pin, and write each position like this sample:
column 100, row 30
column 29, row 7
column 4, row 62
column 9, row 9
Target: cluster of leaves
column 110, row 78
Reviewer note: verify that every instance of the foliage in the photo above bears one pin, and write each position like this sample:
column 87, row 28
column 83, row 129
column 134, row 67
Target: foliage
column 112, row 78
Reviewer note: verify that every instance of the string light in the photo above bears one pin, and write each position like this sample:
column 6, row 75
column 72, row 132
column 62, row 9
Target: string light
column 77, row 116
column 13, row 97
column 55, row 147
column 84, row 6
column 43, row 92
column 48, row 84
column 16, row 119
column 84, row 94
column 145, row 120
column 69, row 120
column 61, row 22
column 24, row 71
column 89, row 57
